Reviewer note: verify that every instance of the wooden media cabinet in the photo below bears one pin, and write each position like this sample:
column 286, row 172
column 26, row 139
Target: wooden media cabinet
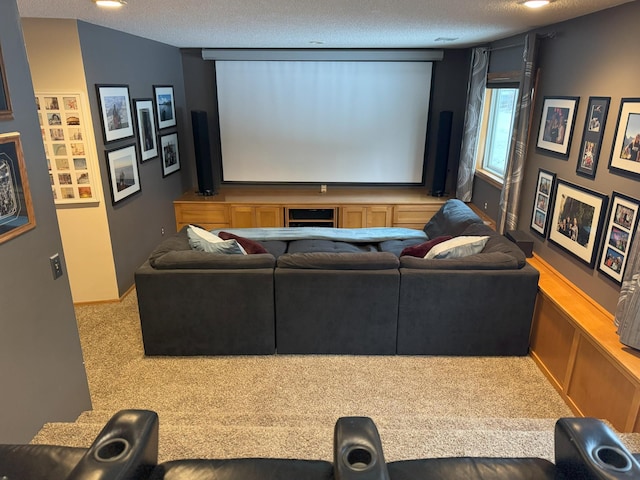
column 344, row 207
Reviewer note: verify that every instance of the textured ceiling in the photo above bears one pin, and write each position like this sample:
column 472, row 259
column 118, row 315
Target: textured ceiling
column 304, row 23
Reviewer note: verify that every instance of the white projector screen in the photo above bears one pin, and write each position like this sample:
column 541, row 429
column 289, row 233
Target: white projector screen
column 323, row 122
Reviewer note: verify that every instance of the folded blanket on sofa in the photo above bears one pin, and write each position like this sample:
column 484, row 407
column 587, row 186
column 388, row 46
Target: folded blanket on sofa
column 355, row 235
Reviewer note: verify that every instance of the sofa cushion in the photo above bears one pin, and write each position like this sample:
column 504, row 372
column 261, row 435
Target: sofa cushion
column 275, row 247
column 339, row 261
column 319, row 245
column 205, row 241
column 479, row 261
column 175, row 253
column 397, row 246
column 452, row 219
column 250, row 246
column 422, row 249
column 458, row 247
column 497, row 243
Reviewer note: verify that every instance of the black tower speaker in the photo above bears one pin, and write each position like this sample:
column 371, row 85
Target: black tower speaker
column 442, row 153
column 204, row 163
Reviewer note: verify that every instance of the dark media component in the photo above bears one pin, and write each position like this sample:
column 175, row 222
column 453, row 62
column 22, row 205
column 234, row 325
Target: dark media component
column 202, row 148
column 442, row 154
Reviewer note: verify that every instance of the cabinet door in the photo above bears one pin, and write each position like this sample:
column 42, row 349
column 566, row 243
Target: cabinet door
column 269, row 217
column 379, row 216
column 353, row 217
column 414, row 216
column 242, row 216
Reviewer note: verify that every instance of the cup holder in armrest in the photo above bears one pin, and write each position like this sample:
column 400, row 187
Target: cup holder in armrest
column 612, row 458
column 112, row 450
column 359, row 458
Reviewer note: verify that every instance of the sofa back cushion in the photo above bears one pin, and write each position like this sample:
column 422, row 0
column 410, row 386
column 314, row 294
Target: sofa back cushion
column 175, row 253
column 339, row 261
column 497, row 243
column 452, row 219
column 479, row 261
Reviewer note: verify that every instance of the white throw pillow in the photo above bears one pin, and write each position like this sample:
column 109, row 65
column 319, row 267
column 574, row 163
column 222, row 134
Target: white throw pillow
column 205, row 241
column 458, row 247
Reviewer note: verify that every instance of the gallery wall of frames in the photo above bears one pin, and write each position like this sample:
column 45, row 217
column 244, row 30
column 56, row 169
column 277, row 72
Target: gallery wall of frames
column 137, row 131
column 596, row 228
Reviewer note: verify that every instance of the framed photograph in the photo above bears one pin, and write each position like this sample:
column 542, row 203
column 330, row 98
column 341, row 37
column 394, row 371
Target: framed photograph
column 556, row 125
column 170, row 154
column 5, row 102
column 124, row 178
column 147, row 135
column 542, row 202
column 576, row 222
column 115, row 112
column 16, row 208
column 625, row 153
column 165, row 105
column 592, row 136
column 71, row 157
column 622, row 223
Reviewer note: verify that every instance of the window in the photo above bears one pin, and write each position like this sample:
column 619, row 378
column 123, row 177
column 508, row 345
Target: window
column 496, row 129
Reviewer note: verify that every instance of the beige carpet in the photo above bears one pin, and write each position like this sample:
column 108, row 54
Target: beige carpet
column 286, row 406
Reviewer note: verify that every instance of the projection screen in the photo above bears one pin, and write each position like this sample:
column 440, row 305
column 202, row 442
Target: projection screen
column 323, row 122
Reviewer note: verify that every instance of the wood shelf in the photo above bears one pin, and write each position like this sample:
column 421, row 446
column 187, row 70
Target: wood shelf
column 574, row 342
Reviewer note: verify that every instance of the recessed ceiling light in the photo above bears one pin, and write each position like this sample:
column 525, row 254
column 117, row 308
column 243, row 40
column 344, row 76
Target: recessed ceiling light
column 316, row 42
column 110, row 3
column 446, row 39
column 536, row 3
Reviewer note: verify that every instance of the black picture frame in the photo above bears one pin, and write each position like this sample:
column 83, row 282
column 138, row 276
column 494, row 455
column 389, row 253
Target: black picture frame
column 556, row 125
column 147, row 132
column 618, row 236
column 543, row 202
column 124, row 176
column 625, row 151
column 170, row 153
column 165, row 106
column 5, row 101
column 16, row 208
column 576, row 222
column 115, row 112
column 591, row 144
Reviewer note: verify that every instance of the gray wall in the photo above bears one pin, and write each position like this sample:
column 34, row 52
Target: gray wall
column 587, row 56
column 590, row 56
column 112, row 57
column 41, row 366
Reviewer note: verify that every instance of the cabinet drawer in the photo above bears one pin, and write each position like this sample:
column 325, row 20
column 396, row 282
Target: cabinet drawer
column 414, row 214
column 202, row 214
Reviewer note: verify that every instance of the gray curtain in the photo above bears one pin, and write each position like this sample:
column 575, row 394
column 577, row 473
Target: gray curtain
column 472, row 120
column 510, row 195
column 628, row 309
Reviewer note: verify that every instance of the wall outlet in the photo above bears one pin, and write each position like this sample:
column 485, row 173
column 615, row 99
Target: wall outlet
column 323, row 189
column 162, row 231
column 485, row 205
column 56, row 266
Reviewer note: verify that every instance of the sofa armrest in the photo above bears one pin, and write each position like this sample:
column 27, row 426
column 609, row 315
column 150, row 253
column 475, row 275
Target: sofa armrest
column 125, row 449
column 357, row 450
column 587, row 448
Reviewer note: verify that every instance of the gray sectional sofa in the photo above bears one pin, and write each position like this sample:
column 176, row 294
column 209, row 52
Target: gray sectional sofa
column 335, row 296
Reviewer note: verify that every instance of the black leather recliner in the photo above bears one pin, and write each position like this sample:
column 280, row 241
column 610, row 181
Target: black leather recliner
column 125, row 449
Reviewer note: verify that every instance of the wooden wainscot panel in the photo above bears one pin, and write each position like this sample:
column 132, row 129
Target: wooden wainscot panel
column 600, row 388
column 552, row 338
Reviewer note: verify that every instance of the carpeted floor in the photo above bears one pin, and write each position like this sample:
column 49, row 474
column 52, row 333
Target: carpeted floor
column 286, row 406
